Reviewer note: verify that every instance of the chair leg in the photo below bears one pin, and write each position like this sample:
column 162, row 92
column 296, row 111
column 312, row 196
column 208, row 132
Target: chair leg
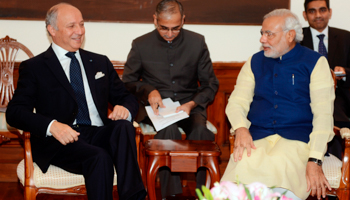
column 153, row 167
column 29, row 193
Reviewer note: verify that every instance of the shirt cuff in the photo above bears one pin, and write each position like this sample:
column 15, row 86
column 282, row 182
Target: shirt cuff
column 129, row 117
column 48, row 133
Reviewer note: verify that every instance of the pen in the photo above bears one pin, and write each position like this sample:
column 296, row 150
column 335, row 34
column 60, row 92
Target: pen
column 292, row 79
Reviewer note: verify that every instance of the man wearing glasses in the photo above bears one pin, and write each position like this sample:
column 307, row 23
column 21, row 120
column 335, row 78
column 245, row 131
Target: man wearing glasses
column 172, row 62
column 281, row 113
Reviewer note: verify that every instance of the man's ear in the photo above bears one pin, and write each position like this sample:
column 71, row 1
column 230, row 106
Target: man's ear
column 51, row 30
column 183, row 19
column 305, row 16
column 291, row 35
column 155, row 20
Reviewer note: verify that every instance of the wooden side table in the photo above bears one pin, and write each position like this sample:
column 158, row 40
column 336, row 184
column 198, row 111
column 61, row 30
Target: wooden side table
column 180, row 156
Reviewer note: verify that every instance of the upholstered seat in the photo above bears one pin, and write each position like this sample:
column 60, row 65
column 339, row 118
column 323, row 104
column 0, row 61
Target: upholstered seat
column 332, row 170
column 55, row 177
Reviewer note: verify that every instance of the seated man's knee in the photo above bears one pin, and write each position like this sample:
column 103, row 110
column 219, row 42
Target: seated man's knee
column 200, row 132
column 170, row 132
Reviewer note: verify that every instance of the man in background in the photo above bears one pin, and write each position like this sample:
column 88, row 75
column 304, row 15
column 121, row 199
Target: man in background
column 334, row 44
column 171, row 62
column 70, row 90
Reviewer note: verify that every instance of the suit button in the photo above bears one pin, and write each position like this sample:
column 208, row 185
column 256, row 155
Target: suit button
column 170, row 47
column 171, row 64
column 173, row 82
column 276, row 106
column 274, row 122
column 276, row 93
column 276, row 75
column 175, row 94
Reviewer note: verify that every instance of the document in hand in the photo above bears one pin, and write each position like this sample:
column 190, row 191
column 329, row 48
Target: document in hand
column 167, row 115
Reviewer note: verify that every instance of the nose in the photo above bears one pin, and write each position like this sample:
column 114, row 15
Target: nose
column 318, row 13
column 263, row 38
column 170, row 33
column 80, row 30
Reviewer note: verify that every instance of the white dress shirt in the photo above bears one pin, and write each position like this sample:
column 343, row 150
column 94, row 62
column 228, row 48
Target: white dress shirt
column 316, row 40
column 65, row 63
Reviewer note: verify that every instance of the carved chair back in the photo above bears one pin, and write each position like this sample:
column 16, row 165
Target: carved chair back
column 9, row 49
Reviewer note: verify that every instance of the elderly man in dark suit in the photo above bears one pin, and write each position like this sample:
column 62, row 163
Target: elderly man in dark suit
column 70, row 90
column 334, row 44
column 170, row 62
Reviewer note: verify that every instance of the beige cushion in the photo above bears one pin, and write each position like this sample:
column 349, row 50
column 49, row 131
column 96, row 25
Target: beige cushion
column 332, row 170
column 149, row 130
column 55, row 177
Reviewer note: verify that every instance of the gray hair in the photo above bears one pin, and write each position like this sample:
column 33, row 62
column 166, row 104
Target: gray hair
column 51, row 16
column 291, row 22
column 169, row 6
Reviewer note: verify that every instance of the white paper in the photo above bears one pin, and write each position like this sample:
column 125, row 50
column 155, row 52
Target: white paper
column 167, row 115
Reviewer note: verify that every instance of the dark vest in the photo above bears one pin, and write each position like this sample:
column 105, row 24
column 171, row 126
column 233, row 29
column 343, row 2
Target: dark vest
column 281, row 102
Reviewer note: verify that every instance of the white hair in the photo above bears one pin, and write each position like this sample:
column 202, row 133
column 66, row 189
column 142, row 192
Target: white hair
column 291, row 22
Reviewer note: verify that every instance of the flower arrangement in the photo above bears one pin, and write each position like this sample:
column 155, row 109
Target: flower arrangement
column 227, row 190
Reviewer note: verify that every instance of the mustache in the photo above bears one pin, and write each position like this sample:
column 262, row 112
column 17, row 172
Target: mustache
column 167, row 37
column 319, row 18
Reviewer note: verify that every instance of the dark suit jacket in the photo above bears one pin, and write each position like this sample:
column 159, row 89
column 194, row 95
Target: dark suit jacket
column 338, row 55
column 43, row 86
column 338, row 50
column 174, row 69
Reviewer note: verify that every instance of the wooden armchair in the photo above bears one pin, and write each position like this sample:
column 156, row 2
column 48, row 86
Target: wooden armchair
column 55, row 180
column 337, row 172
column 9, row 49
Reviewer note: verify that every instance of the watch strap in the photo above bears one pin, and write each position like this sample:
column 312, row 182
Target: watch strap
column 317, row 161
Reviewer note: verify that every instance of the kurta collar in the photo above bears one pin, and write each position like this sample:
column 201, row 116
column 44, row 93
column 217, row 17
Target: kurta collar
column 175, row 42
column 290, row 54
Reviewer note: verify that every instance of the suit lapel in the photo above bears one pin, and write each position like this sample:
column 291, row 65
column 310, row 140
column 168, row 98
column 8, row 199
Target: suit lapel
column 54, row 65
column 332, row 44
column 307, row 41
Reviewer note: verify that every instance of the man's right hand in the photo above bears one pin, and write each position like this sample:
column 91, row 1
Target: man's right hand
column 63, row 133
column 155, row 100
column 243, row 140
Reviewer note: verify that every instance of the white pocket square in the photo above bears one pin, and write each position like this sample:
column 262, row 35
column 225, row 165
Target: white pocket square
column 99, row 75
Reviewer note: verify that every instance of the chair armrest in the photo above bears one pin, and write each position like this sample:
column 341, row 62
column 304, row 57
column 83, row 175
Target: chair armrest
column 232, row 143
column 345, row 179
column 28, row 160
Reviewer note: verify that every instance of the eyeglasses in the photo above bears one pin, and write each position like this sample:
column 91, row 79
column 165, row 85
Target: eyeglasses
column 270, row 34
column 165, row 29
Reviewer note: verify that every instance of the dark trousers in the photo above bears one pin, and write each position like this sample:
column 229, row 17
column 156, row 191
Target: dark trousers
column 95, row 153
column 341, row 119
column 195, row 129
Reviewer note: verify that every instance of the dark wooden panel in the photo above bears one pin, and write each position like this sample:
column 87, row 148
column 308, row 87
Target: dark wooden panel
column 197, row 11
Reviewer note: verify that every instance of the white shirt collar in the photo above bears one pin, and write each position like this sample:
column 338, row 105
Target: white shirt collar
column 315, row 32
column 61, row 53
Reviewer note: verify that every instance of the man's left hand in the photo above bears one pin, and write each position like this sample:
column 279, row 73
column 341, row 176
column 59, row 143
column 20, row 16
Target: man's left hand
column 119, row 112
column 316, row 181
column 339, row 69
column 187, row 107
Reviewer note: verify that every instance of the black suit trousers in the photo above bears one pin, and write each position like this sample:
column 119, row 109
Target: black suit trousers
column 95, row 153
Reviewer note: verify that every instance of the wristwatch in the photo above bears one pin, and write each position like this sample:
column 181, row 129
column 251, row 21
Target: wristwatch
column 318, row 162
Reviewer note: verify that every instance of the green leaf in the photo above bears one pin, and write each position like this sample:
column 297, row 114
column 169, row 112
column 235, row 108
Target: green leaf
column 199, row 194
column 207, row 193
column 247, row 192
